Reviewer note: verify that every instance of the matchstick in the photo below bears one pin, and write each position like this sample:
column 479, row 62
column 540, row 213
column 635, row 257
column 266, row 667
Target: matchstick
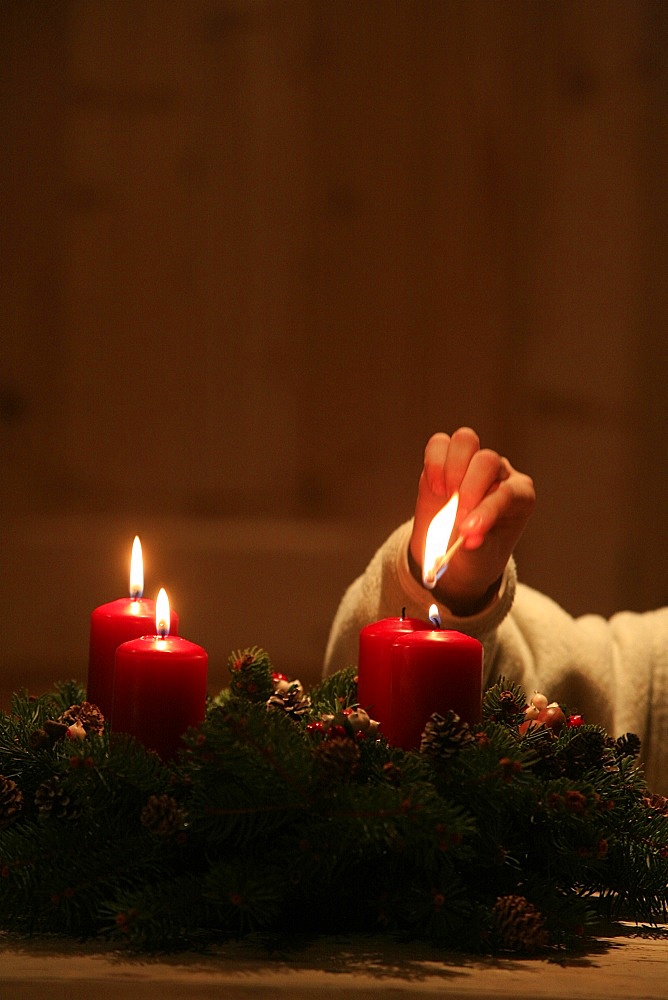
column 441, row 563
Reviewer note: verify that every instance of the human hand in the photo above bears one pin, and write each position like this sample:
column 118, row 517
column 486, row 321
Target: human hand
column 495, row 503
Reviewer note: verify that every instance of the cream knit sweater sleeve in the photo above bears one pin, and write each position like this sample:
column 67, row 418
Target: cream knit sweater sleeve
column 614, row 671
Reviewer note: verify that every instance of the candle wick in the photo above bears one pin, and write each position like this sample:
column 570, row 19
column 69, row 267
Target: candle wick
column 435, row 619
column 136, row 593
column 403, row 612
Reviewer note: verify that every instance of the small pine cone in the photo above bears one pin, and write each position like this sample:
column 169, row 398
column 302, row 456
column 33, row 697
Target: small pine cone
column 53, row 802
column 163, row 816
column 508, row 704
column 519, row 924
column 586, row 750
column 444, row 735
column 11, row 801
column 656, row 801
column 291, row 700
column 627, row 745
column 87, row 715
column 338, row 756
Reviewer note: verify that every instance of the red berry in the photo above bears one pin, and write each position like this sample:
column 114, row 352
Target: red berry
column 574, row 721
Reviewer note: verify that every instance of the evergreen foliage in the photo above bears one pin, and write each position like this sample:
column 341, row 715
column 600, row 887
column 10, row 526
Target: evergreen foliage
column 488, row 839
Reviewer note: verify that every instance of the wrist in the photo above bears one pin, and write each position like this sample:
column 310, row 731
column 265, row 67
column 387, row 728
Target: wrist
column 460, row 604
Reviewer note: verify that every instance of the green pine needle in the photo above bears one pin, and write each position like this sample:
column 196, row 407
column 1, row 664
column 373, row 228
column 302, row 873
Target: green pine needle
column 268, row 823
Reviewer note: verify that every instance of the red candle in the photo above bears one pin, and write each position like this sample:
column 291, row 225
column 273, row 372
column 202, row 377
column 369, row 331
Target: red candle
column 432, row 671
column 159, row 686
column 373, row 667
column 114, row 623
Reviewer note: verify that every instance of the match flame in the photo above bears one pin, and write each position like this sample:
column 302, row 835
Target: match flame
column 162, row 614
column 436, row 542
column 136, row 570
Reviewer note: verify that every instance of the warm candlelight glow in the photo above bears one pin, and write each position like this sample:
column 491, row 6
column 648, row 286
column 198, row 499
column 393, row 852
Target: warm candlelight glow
column 162, row 613
column 136, row 570
column 436, row 543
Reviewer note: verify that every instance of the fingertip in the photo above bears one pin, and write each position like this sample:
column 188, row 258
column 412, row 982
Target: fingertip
column 436, row 481
column 471, row 524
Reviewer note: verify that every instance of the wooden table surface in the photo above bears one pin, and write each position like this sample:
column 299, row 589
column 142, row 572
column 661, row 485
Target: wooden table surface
column 619, row 965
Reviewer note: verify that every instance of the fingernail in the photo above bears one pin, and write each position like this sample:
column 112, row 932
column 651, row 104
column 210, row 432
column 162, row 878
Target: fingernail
column 471, row 523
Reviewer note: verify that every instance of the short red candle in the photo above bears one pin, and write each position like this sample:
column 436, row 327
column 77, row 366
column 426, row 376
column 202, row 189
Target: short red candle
column 432, row 671
column 110, row 625
column 159, row 690
column 373, row 665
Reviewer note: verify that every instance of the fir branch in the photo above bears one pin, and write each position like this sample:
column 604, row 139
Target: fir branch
column 267, row 822
column 335, row 692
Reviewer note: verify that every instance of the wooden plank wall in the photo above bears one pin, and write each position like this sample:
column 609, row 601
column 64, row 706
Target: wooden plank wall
column 256, row 251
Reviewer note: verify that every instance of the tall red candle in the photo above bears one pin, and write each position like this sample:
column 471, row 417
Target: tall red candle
column 373, row 667
column 114, row 623
column 159, row 686
column 432, row 671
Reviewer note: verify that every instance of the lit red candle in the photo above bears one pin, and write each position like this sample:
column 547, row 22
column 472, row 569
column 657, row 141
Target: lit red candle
column 373, row 665
column 159, row 686
column 432, row 671
column 409, row 671
column 114, row 623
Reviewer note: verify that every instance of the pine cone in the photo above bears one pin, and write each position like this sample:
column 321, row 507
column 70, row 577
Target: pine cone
column 585, row 750
column 445, row 735
column 655, row 801
column 519, row 924
column 627, row 745
column 87, row 715
column 53, row 802
column 291, row 699
column 508, row 704
column 338, row 756
column 163, row 816
column 11, row 801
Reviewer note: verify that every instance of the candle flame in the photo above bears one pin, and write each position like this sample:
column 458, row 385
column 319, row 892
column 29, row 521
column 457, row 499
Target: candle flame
column 436, row 542
column 162, row 614
column 434, row 616
column 136, row 570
